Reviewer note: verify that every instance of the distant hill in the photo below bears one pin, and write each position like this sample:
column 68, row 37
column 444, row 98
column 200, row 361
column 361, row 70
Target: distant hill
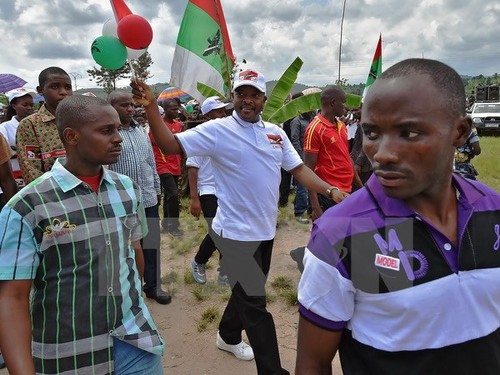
column 159, row 87
column 100, row 93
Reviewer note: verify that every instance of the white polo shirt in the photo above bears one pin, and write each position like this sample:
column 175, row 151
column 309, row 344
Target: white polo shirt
column 206, row 180
column 246, row 161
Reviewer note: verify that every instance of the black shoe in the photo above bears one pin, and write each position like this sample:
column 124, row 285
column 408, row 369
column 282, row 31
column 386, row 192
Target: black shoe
column 160, row 296
column 175, row 232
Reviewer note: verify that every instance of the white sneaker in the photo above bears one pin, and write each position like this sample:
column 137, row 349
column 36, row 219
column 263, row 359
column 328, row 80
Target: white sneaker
column 241, row 351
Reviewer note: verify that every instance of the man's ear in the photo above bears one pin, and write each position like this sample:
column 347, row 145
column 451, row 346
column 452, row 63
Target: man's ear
column 463, row 127
column 39, row 89
column 70, row 136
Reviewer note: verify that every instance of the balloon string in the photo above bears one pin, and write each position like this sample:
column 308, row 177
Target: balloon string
column 132, row 71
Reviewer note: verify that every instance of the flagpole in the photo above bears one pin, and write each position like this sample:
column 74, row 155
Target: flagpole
column 341, row 32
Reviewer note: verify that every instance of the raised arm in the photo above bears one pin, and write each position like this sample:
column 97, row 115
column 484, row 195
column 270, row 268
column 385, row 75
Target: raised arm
column 164, row 138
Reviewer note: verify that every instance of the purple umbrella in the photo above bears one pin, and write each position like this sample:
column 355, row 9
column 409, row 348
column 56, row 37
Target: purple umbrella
column 10, row 82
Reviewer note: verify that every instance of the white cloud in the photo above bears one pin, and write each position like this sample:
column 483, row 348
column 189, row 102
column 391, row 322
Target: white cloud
column 269, row 34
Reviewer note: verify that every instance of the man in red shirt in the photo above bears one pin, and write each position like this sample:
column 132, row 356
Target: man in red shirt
column 326, row 150
column 169, row 170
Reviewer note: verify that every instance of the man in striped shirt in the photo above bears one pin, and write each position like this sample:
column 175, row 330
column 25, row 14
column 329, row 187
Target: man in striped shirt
column 137, row 162
column 73, row 234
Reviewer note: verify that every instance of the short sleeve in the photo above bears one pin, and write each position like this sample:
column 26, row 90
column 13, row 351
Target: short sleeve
column 19, row 258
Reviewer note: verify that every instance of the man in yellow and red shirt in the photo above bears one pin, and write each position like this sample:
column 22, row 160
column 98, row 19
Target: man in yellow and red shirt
column 326, row 149
column 169, row 170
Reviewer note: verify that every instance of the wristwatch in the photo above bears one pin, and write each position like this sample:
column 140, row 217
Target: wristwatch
column 330, row 190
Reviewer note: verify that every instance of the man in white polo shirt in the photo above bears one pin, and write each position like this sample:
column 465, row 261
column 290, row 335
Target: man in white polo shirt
column 247, row 154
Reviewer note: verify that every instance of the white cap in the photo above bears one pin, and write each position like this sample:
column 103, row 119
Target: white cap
column 17, row 93
column 250, row 78
column 211, row 103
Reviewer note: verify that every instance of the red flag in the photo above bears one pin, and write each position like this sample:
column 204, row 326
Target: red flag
column 120, row 9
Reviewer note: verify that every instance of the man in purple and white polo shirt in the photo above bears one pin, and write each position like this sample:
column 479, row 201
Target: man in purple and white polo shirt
column 402, row 277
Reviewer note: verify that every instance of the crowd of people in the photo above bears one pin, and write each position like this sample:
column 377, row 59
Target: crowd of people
column 398, row 275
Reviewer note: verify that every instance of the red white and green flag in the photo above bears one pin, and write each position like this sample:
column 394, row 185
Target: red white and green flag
column 203, row 52
column 375, row 69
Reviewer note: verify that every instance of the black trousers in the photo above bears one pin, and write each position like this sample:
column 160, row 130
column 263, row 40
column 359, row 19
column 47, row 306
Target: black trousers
column 151, row 250
column 207, row 246
column 246, row 264
column 171, row 202
column 286, row 181
column 325, row 203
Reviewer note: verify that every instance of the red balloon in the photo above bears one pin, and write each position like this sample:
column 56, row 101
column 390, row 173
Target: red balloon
column 135, row 32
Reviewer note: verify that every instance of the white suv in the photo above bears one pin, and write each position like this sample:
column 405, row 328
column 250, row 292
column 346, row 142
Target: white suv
column 486, row 116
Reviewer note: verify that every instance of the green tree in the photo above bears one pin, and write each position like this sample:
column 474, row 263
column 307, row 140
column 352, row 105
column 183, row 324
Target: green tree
column 107, row 78
column 141, row 66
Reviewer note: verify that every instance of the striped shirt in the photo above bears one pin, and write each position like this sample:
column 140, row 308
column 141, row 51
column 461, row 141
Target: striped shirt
column 76, row 247
column 411, row 300
column 137, row 162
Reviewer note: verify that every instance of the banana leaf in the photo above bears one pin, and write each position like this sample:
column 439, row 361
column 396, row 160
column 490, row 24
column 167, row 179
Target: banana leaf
column 295, row 107
column 307, row 103
column 353, row 101
column 280, row 92
column 207, row 91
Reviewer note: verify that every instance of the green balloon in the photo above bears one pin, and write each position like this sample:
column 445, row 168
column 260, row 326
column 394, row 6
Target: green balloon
column 109, row 52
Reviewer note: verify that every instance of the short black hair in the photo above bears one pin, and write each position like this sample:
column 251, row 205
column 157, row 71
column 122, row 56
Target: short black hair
column 114, row 95
column 330, row 92
column 73, row 111
column 44, row 74
column 446, row 80
column 170, row 102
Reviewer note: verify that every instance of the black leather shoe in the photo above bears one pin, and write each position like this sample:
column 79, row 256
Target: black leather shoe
column 160, row 296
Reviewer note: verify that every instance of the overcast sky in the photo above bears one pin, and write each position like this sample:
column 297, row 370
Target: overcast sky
column 268, row 34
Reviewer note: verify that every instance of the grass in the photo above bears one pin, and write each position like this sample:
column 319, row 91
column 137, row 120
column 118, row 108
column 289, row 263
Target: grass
column 209, row 317
column 488, row 162
column 285, row 289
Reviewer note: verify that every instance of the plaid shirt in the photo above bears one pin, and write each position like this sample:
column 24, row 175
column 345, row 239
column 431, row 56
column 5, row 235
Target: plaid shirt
column 76, row 246
column 38, row 144
column 137, row 162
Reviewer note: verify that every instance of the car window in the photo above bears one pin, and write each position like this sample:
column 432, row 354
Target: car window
column 487, row 108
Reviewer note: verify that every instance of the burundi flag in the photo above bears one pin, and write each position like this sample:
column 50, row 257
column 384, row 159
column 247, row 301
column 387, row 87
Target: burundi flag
column 203, row 52
column 375, row 69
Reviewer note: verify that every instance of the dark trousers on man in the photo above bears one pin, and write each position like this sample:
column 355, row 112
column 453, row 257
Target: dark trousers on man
column 247, row 264
column 285, row 185
column 325, row 202
column 171, row 202
column 207, row 246
column 151, row 250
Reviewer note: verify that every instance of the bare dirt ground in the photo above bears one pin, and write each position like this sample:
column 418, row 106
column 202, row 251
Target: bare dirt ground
column 189, row 352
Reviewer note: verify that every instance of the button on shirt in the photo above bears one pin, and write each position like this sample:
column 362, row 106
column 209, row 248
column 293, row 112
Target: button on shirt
column 76, row 247
column 246, row 160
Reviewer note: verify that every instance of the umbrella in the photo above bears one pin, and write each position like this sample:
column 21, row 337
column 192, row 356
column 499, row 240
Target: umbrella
column 10, row 82
column 173, row 92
